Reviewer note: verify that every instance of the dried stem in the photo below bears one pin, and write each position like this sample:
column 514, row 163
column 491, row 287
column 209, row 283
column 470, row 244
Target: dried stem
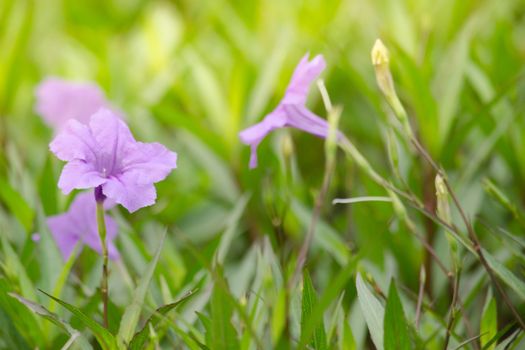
column 303, row 253
column 471, row 234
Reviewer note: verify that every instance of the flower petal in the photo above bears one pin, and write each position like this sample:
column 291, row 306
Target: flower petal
column 148, row 163
column 113, row 253
column 300, row 117
column 77, row 174
column 59, row 100
column 304, row 75
column 83, row 214
column 75, row 141
column 124, row 190
column 112, row 136
column 63, row 231
column 256, row 133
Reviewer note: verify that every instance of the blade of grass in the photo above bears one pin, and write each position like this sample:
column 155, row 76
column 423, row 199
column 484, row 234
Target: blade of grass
column 130, row 319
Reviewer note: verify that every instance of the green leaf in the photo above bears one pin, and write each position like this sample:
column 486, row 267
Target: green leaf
column 309, row 302
column 223, row 335
column 512, row 339
column 45, row 313
column 331, row 292
column 53, row 318
column 10, row 335
column 23, row 320
column 62, row 277
column 140, row 338
column 449, row 79
column 337, row 313
column 231, row 229
column 501, row 333
column 347, row 341
column 505, row 274
column 489, row 323
column 47, row 189
column 372, row 310
column 105, row 339
column 395, row 324
column 206, row 323
column 278, row 316
column 15, row 270
column 130, row 319
column 16, row 204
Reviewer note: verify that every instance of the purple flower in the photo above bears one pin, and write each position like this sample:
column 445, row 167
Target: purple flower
column 291, row 111
column 104, row 153
column 60, row 100
column 79, row 226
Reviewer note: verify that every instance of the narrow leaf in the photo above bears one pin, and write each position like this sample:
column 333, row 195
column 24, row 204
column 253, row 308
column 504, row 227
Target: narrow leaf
column 506, row 275
column 45, row 313
column 489, row 323
column 16, row 204
column 278, row 316
column 140, row 338
column 309, row 302
column 372, row 310
column 103, row 336
column 223, row 335
column 395, row 324
column 19, row 317
column 130, row 319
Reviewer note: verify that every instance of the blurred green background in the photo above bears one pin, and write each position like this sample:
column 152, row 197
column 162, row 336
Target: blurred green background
column 192, row 74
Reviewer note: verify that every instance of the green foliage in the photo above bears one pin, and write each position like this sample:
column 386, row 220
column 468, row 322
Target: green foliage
column 141, row 337
column 222, row 333
column 309, row 301
column 489, row 323
column 105, row 339
column 131, row 315
column 372, row 311
column 395, row 325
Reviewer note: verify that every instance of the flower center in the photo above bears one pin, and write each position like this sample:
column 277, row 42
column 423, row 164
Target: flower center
column 106, row 165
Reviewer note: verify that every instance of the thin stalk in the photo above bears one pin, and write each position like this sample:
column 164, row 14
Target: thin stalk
column 472, row 236
column 393, row 193
column 420, row 295
column 330, row 153
column 104, row 282
column 453, row 311
column 303, row 253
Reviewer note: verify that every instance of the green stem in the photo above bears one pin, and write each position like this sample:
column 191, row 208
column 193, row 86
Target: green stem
column 104, row 282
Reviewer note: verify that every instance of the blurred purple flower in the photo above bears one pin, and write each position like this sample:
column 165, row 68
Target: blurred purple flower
column 104, row 153
column 58, row 100
column 291, row 111
column 79, row 225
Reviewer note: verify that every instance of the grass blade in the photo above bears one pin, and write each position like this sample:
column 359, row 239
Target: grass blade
column 140, row 338
column 103, row 336
column 372, row 310
column 130, row 319
column 395, row 324
column 309, row 302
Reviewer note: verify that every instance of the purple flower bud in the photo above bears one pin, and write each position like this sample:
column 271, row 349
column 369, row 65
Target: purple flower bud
column 99, row 195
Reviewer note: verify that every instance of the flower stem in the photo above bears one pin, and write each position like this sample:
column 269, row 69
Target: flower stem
column 104, row 282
